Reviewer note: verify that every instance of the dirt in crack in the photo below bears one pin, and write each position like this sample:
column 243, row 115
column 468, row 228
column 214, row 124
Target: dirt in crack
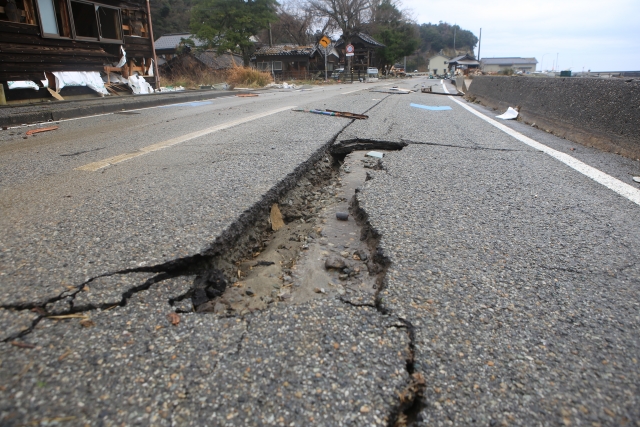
column 315, row 254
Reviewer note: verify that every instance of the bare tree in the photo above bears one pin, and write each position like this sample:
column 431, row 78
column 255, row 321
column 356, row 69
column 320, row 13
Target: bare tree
column 348, row 16
column 295, row 24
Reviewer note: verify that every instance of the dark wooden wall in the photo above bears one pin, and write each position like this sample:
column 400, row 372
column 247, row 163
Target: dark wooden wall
column 25, row 55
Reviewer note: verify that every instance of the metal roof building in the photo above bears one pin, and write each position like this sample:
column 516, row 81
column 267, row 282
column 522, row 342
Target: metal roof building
column 516, row 63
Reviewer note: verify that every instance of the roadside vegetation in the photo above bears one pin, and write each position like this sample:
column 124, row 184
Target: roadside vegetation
column 236, row 25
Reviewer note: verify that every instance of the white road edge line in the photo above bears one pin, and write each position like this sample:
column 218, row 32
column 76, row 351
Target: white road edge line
column 623, row 189
column 94, row 166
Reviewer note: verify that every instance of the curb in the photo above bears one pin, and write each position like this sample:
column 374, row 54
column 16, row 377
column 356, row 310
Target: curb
column 72, row 109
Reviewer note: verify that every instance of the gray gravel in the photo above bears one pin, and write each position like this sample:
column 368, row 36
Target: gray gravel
column 14, row 322
column 324, row 363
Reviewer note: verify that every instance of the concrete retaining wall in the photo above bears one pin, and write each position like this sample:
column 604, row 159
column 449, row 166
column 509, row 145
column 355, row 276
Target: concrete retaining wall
column 603, row 113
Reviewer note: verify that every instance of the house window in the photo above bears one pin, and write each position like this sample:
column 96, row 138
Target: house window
column 85, row 20
column 277, row 66
column 110, row 24
column 262, row 66
column 91, row 22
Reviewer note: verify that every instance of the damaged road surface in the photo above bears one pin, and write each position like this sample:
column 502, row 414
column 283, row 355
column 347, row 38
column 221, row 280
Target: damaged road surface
column 238, row 263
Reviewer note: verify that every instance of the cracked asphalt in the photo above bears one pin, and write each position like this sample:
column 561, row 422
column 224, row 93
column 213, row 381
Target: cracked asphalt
column 511, row 292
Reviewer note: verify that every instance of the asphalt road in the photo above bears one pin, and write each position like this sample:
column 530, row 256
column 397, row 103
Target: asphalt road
column 511, row 297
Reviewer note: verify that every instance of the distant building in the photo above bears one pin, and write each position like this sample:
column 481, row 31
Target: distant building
column 288, row 61
column 438, row 64
column 500, row 64
column 365, row 48
column 167, row 45
column 464, row 62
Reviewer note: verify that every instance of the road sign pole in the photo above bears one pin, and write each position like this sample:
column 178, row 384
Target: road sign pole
column 326, row 53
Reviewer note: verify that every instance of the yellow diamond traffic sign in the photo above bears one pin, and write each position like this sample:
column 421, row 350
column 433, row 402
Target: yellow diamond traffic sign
column 325, row 41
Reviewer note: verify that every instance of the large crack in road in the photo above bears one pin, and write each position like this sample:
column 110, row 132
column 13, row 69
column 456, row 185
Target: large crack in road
column 220, row 261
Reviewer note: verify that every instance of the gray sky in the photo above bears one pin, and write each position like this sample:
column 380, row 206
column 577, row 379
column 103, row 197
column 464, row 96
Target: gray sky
column 594, row 34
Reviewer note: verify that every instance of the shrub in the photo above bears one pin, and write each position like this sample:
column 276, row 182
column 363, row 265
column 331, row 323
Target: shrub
column 248, row 77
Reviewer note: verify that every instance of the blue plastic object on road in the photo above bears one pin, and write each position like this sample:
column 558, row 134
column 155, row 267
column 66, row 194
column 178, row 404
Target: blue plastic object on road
column 428, row 107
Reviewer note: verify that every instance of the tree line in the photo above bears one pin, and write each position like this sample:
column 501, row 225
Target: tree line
column 235, row 25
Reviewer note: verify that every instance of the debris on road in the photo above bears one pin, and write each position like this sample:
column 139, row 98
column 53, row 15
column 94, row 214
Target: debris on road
column 395, row 90
column 376, row 154
column 22, row 344
column 32, row 131
column 510, row 114
column 432, row 108
column 334, row 261
column 447, row 94
column 173, row 318
column 636, row 178
column 345, row 114
column 276, row 218
column 246, row 95
column 342, row 216
column 427, row 89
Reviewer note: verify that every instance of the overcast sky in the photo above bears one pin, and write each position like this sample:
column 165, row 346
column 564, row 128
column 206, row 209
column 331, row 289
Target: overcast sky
column 597, row 35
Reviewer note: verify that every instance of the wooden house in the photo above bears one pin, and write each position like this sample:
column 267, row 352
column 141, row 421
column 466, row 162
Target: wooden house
column 364, row 52
column 46, row 36
column 284, row 61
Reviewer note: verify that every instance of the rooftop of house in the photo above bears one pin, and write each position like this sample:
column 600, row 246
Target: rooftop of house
column 215, row 61
column 284, row 50
column 366, row 38
column 171, row 41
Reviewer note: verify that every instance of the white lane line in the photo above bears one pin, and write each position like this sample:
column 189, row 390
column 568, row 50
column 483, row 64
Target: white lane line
column 92, row 167
column 623, row 189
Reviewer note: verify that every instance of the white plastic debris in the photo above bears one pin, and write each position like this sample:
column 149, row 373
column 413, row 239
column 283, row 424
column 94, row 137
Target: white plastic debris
column 636, row 178
column 510, row 114
column 171, row 89
column 23, row 84
column 139, row 85
column 376, row 154
column 90, row 79
column 123, row 58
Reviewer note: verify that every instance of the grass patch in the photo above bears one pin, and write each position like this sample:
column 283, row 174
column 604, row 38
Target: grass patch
column 247, row 77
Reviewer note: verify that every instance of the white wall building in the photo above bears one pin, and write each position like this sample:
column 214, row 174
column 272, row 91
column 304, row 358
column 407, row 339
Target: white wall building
column 438, row 64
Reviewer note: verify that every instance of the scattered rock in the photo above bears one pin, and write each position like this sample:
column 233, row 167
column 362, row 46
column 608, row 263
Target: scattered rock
column 334, row 262
column 342, row 216
column 344, row 254
column 220, row 308
column 173, row 318
column 361, row 255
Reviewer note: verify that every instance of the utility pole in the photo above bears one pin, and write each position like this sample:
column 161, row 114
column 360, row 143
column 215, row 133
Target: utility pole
column 454, row 40
column 405, row 64
column 479, row 44
column 270, row 36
